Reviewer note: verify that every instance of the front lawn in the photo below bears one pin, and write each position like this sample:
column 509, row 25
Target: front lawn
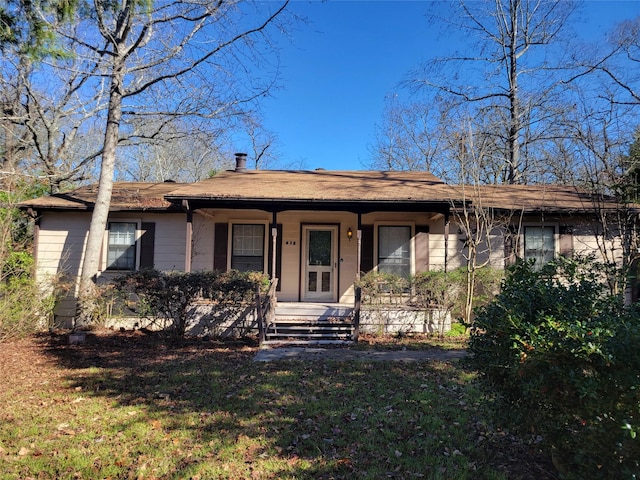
column 127, row 406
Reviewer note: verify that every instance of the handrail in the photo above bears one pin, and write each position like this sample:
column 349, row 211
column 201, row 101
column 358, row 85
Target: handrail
column 266, row 309
column 356, row 313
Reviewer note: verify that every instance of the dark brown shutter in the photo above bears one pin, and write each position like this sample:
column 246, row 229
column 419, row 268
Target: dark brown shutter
column 422, row 248
column 278, row 256
column 566, row 240
column 510, row 246
column 147, row 245
column 221, row 237
column 366, row 252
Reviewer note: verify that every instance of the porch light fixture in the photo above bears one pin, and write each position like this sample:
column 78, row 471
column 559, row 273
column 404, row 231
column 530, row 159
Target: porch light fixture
column 349, row 233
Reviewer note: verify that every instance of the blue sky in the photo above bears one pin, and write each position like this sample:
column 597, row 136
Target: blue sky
column 337, row 70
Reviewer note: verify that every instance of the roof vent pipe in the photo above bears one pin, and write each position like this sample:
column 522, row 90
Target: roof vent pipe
column 241, row 162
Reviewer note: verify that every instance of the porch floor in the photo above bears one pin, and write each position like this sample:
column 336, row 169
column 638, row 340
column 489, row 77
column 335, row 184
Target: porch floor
column 317, row 311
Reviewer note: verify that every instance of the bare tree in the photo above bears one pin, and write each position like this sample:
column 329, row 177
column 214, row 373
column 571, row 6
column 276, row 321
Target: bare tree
column 477, row 220
column 508, row 76
column 183, row 153
column 618, row 61
column 409, row 138
column 601, row 130
column 187, row 55
column 263, row 143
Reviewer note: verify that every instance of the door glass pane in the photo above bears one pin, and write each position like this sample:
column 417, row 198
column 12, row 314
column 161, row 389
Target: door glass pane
column 320, row 247
column 313, row 281
column 326, row 281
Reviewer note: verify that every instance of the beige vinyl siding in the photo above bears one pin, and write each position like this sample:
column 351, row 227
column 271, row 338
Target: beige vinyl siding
column 61, row 243
column 170, row 240
column 437, row 246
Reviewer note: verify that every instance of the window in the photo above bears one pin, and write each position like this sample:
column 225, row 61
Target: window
column 247, row 247
column 539, row 244
column 121, row 246
column 394, row 253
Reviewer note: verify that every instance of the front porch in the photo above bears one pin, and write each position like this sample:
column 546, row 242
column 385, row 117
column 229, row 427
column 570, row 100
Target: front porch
column 340, row 323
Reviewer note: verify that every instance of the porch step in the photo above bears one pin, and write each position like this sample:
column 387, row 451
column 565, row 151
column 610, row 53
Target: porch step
column 309, row 330
column 307, row 323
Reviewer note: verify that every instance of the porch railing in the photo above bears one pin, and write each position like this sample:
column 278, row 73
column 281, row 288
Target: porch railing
column 266, row 309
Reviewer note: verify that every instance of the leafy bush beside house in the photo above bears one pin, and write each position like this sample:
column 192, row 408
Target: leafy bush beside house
column 561, row 355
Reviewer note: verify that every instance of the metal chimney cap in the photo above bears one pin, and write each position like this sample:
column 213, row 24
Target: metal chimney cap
column 241, row 162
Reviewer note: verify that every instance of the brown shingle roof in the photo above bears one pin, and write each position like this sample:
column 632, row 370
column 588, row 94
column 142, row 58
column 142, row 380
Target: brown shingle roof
column 318, row 185
column 126, row 196
column 533, row 198
column 259, row 187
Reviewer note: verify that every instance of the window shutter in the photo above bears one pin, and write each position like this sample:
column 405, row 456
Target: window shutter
column 566, row 241
column 422, row 248
column 147, row 245
column 510, row 246
column 221, row 237
column 366, row 249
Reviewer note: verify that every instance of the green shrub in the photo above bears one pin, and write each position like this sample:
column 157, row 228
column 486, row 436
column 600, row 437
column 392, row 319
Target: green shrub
column 562, row 355
column 384, row 288
column 433, row 288
column 169, row 295
column 24, row 307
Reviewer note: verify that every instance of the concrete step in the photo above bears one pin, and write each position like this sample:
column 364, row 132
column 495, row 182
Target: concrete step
column 302, row 329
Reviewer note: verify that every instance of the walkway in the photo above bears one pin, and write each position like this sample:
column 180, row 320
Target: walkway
column 347, row 354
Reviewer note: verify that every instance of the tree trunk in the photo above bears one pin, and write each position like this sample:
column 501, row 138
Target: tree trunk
column 100, row 214
column 514, row 106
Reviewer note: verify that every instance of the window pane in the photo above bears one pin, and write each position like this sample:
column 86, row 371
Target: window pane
column 539, row 244
column 394, row 254
column 248, row 248
column 121, row 249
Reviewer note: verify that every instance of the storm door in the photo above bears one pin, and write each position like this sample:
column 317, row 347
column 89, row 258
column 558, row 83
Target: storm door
column 320, row 263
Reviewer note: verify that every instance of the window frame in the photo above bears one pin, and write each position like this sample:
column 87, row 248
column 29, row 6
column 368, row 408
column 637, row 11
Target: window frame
column 555, row 241
column 411, row 226
column 136, row 244
column 265, row 239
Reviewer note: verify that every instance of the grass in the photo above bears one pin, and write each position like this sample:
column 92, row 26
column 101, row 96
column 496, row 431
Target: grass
column 134, row 408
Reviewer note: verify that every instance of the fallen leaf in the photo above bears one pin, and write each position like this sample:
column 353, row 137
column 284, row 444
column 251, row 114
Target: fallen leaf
column 24, row 451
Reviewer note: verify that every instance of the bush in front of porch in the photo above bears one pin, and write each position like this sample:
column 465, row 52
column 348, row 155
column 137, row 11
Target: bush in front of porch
column 434, row 297
column 165, row 298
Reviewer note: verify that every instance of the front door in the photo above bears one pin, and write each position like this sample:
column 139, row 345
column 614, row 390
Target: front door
column 320, row 263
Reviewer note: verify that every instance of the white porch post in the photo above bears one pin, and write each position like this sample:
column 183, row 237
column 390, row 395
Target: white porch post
column 274, row 238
